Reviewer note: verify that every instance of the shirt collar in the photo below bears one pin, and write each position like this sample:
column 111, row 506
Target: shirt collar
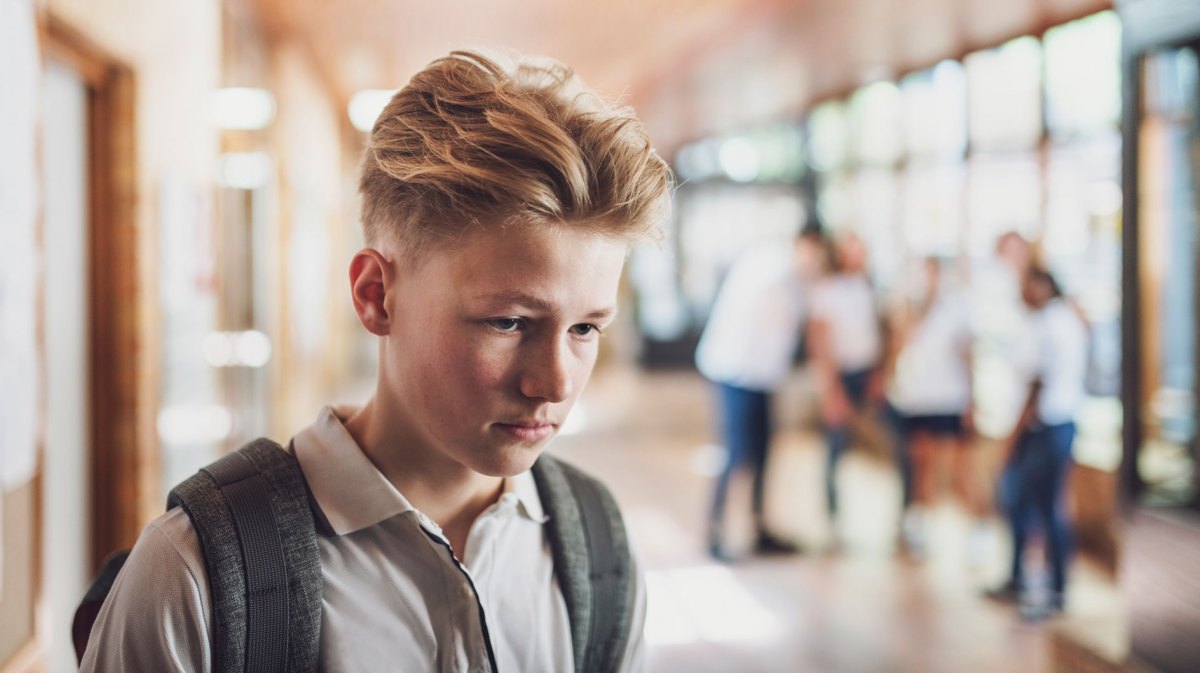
column 353, row 494
column 529, row 503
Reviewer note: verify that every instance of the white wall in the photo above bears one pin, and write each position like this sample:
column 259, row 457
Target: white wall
column 66, row 541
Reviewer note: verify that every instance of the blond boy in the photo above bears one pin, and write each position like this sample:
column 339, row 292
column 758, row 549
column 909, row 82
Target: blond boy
column 499, row 201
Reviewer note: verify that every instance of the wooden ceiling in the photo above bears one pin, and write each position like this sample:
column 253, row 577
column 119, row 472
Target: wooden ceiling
column 690, row 67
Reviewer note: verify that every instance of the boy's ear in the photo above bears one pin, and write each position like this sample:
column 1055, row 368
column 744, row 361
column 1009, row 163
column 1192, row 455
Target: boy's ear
column 369, row 273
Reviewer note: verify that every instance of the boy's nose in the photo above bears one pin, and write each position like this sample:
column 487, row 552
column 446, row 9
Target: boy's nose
column 546, row 375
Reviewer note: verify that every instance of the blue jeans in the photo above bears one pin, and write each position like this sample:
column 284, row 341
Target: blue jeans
column 837, row 438
column 899, row 432
column 1034, row 483
column 746, row 430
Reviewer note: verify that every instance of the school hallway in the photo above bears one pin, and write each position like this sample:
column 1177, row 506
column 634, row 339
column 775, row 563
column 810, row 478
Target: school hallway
column 864, row 608
column 960, row 197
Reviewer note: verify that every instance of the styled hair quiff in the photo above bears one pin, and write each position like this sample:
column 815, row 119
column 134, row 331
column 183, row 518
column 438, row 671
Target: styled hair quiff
column 470, row 142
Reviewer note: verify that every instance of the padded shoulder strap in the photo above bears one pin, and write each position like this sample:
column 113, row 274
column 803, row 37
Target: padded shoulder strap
column 591, row 561
column 251, row 513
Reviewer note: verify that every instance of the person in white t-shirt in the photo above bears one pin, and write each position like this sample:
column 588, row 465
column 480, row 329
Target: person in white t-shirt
column 847, row 347
column 930, row 391
column 746, row 350
column 1038, row 453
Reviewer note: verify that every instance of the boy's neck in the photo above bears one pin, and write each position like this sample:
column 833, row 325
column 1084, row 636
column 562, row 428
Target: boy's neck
column 446, row 491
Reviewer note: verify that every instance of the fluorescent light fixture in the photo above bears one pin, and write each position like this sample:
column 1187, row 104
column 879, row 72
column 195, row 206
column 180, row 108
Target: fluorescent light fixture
column 245, row 170
column 243, row 109
column 365, row 107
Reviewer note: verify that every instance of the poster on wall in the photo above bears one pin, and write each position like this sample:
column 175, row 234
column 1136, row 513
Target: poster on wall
column 19, row 68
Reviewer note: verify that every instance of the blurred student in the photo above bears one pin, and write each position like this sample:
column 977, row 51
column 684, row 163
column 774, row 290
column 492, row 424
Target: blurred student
column 746, row 350
column 846, row 345
column 1016, row 254
column 500, row 199
column 1038, row 453
column 930, row 392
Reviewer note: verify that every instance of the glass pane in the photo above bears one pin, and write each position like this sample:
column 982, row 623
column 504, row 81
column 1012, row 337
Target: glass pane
column 935, row 111
column 875, row 123
column 828, row 136
column 718, row 221
column 1168, row 169
column 1005, row 99
column 1081, row 241
column 933, row 209
column 1082, row 246
column 1083, row 76
column 699, row 161
column 780, row 152
column 835, row 200
column 772, row 153
column 876, row 220
column 1004, row 194
column 867, row 203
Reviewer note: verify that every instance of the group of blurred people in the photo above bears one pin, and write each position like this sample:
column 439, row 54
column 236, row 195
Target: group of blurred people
column 909, row 367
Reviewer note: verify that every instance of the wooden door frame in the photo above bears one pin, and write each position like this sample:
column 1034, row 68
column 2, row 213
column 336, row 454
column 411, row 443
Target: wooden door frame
column 1146, row 25
column 121, row 458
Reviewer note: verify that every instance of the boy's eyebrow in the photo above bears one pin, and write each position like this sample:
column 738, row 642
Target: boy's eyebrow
column 539, row 304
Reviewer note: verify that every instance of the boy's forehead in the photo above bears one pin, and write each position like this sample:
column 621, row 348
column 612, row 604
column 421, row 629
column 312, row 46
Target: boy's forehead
column 524, row 262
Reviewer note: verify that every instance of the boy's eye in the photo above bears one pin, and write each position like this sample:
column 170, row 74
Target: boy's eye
column 505, row 324
column 585, row 329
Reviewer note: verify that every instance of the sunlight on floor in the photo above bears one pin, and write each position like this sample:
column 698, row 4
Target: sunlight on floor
column 704, row 604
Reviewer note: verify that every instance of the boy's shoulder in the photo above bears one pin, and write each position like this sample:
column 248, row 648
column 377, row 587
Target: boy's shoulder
column 172, row 534
column 158, row 611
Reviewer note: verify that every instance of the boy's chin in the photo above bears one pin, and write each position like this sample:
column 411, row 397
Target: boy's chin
column 509, row 461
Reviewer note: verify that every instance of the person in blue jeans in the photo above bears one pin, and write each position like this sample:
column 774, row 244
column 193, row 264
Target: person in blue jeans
column 746, row 430
column 746, row 350
column 855, row 389
column 847, row 348
column 1038, row 452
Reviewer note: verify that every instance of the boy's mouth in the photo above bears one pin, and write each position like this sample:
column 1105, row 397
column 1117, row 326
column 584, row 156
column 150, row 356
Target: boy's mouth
column 530, row 430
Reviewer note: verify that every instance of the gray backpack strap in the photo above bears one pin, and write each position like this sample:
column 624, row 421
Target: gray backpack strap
column 591, row 561
column 251, row 513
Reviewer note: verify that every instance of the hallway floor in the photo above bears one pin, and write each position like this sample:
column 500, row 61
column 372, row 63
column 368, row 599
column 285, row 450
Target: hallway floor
column 863, row 608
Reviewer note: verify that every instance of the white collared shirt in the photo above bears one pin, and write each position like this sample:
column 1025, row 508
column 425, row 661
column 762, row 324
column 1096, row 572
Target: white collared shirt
column 395, row 598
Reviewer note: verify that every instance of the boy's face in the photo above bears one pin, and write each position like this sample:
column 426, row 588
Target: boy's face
column 1035, row 292
column 492, row 340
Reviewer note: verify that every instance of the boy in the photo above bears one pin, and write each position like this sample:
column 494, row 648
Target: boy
column 499, row 202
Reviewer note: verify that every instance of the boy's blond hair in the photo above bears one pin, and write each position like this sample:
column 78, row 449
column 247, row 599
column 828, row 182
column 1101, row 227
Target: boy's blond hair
column 473, row 142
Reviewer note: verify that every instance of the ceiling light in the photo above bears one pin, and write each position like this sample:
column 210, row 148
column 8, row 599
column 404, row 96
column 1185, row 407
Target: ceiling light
column 243, row 109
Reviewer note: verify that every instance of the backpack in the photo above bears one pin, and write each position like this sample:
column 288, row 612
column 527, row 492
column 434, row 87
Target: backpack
column 257, row 525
